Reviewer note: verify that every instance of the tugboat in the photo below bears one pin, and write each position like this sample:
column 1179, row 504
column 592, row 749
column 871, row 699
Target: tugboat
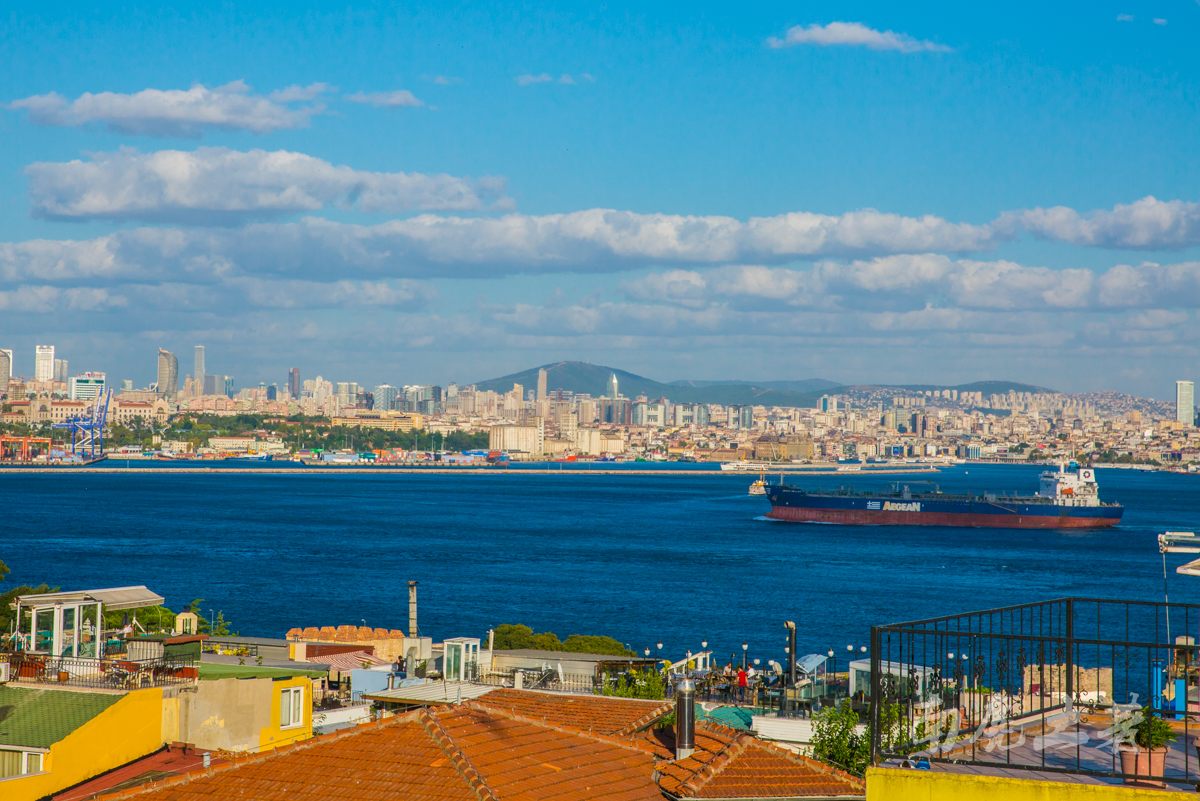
column 1067, row 498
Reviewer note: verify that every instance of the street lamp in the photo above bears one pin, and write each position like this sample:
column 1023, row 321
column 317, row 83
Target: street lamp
column 647, row 652
column 745, row 647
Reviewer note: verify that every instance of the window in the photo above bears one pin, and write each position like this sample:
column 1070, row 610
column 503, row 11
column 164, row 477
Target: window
column 291, row 707
column 17, row 763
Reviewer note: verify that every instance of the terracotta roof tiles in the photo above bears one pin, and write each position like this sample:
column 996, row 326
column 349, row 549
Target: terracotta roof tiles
column 728, row 763
column 512, row 746
column 584, row 713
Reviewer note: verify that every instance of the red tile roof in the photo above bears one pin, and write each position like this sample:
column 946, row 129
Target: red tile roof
column 583, row 713
column 530, row 747
column 523, row 761
column 728, row 763
column 173, row 760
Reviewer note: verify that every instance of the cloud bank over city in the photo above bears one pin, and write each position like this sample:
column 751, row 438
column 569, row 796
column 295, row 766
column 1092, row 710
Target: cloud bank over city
column 760, row 194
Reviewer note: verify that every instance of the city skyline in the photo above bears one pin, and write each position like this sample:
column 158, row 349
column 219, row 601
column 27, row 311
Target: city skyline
column 866, row 194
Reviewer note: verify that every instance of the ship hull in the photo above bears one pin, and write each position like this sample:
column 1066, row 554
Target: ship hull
column 865, row 511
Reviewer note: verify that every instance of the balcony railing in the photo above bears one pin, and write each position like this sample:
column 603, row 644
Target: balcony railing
column 1054, row 687
column 108, row 674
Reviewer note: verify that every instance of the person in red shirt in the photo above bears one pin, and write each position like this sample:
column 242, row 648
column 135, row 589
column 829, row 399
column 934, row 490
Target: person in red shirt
column 742, row 683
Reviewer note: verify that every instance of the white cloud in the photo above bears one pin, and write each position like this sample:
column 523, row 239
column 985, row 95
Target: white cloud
column 902, row 284
column 219, row 185
column 596, row 240
column 46, row 299
column 295, row 92
column 178, row 113
column 1124, row 18
column 1159, row 21
column 526, row 80
column 400, row 98
column 442, row 80
column 1146, row 224
column 567, row 79
column 854, row 34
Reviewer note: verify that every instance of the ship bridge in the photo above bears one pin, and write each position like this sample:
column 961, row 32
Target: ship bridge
column 1070, row 486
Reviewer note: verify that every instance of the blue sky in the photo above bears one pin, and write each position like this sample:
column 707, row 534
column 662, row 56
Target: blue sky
column 931, row 193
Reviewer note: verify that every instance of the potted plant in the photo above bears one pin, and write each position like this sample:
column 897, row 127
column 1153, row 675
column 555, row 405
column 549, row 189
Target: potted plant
column 1144, row 753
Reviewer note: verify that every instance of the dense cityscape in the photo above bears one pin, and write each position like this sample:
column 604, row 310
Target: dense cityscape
column 548, row 422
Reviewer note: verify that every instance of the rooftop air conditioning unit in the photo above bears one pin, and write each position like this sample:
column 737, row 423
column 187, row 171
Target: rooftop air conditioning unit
column 4, row 669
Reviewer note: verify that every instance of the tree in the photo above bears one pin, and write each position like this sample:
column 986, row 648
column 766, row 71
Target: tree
column 218, row 627
column 836, row 743
column 635, row 684
column 4, row 571
column 516, row 636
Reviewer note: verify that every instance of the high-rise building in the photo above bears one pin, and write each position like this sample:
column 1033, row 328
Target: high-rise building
column 229, row 386
column 43, row 363
column 294, row 383
column 384, row 397
column 1185, row 403
column 60, row 370
column 213, row 384
column 168, row 374
column 86, row 386
column 199, row 370
column 5, row 368
column 541, row 384
column 612, row 386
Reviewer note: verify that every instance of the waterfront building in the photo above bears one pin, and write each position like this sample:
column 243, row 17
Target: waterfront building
column 294, row 383
column 87, row 386
column 517, row 439
column 168, row 374
column 1185, row 403
column 43, row 363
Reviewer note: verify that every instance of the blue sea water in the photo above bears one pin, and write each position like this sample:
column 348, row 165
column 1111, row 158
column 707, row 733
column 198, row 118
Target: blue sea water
column 646, row 559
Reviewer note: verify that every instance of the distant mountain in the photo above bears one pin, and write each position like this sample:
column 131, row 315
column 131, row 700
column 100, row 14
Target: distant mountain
column 581, row 377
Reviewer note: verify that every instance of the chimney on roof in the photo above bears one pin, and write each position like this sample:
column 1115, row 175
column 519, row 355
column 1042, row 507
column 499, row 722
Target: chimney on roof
column 412, row 609
column 685, row 719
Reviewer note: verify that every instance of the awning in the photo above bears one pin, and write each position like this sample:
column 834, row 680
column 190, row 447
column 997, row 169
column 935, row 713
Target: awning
column 433, row 692
column 113, row 598
column 1192, row 568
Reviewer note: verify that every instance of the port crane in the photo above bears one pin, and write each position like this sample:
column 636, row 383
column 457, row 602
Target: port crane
column 87, row 429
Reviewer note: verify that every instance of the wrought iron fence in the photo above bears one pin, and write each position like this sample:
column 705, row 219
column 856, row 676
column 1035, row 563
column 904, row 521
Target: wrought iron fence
column 1061, row 686
column 108, row 674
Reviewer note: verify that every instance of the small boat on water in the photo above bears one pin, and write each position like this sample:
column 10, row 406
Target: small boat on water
column 259, row 457
column 758, row 487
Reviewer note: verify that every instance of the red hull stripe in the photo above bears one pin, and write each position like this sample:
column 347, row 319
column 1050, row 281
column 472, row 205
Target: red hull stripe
column 863, row 517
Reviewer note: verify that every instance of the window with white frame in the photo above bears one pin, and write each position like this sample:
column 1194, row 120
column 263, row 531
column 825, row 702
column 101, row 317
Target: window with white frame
column 18, row 763
column 291, row 707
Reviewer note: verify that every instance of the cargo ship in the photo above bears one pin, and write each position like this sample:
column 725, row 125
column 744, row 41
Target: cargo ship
column 1067, row 498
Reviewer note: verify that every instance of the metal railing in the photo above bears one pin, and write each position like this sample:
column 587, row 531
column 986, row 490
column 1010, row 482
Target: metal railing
column 542, row 680
column 108, row 674
column 1060, row 687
